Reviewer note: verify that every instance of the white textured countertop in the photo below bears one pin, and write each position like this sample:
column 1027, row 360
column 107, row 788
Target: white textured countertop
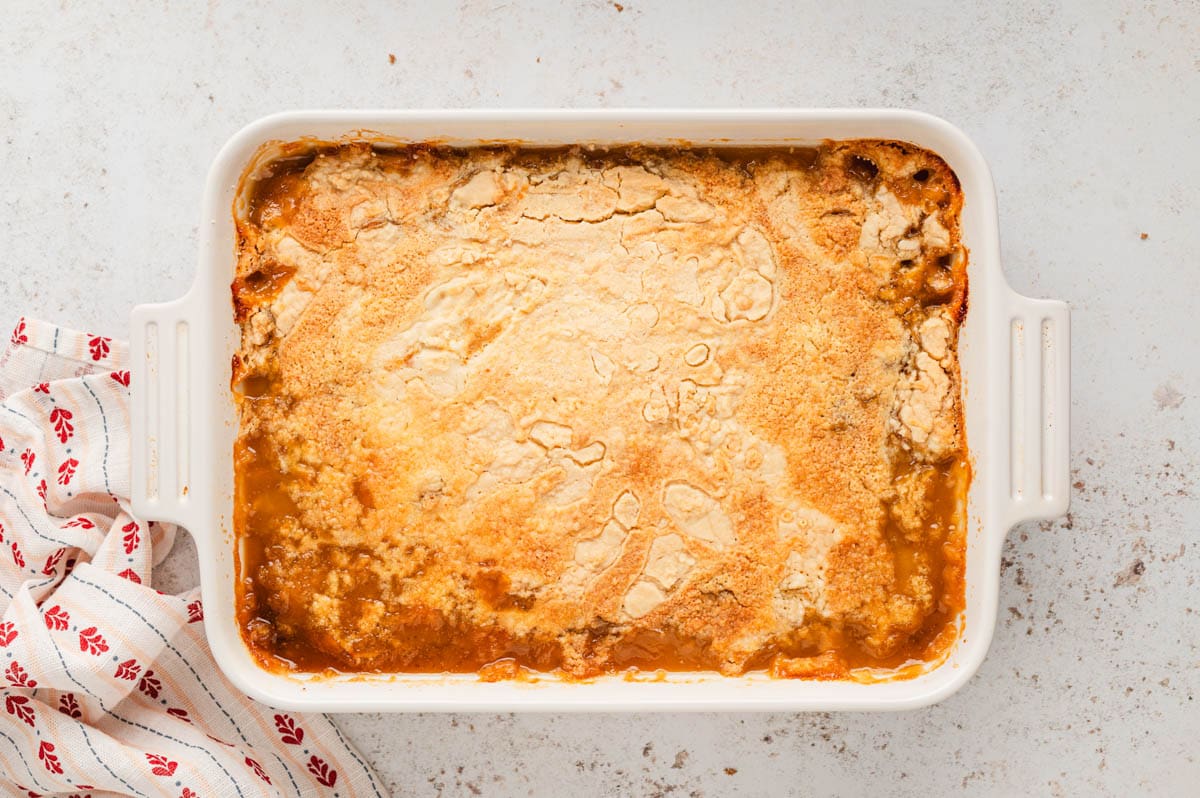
column 1091, row 122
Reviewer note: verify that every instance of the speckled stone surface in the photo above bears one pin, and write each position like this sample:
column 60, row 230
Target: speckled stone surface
column 1089, row 114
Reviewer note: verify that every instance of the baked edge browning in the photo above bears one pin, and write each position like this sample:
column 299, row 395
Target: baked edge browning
column 872, row 165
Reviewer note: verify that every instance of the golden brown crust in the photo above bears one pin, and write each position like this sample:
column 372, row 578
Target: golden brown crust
column 590, row 410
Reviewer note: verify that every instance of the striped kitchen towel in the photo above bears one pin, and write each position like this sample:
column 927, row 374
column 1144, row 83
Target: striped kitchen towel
column 107, row 685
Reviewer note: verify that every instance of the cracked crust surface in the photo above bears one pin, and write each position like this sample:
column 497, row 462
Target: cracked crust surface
column 587, row 411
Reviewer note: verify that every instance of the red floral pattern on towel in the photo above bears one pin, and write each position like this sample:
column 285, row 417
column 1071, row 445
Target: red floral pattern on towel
column 96, row 666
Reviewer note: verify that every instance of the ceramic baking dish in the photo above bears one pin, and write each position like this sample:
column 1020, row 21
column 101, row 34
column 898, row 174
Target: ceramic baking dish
column 1014, row 355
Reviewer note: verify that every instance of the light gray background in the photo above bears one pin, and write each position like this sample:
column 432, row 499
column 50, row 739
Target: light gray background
column 1088, row 113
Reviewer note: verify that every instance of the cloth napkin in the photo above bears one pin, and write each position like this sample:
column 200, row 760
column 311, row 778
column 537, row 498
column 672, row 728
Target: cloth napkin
column 107, row 685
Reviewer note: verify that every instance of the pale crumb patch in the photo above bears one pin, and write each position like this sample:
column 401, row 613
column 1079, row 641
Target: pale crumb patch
column 551, row 434
column 696, row 355
column 592, row 453
column 656, row 409
column 747, row 297
column 601, row 551
column 642, row 598
column 482, row 190
column 642, row 317
column 685, row 209
column 756, row 252
column 626, row 509
column 698, row 515
column 637, row 189
column 669, row 561
column 936, row 236
column 935, row 336
column 604, row 366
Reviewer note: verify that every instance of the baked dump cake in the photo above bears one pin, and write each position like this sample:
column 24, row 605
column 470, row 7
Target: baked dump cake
column 587, row 411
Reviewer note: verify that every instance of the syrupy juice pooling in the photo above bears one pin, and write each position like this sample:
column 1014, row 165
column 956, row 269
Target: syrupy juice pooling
column 435, row 644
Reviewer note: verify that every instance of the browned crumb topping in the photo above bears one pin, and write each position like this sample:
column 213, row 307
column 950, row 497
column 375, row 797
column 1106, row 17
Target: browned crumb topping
column 586, row 410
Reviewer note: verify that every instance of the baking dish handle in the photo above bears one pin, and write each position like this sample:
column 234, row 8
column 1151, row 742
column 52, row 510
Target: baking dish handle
column 162, row 372
column 1039, row 408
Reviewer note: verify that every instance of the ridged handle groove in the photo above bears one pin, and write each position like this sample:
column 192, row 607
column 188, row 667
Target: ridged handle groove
column 1039, row 408
column 162, row 381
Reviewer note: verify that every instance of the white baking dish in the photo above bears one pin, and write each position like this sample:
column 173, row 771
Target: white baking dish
column 1015, row 365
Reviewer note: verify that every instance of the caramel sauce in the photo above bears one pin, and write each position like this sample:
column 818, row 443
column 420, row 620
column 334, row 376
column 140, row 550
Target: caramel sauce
column 274, row 195
column 259, row 286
